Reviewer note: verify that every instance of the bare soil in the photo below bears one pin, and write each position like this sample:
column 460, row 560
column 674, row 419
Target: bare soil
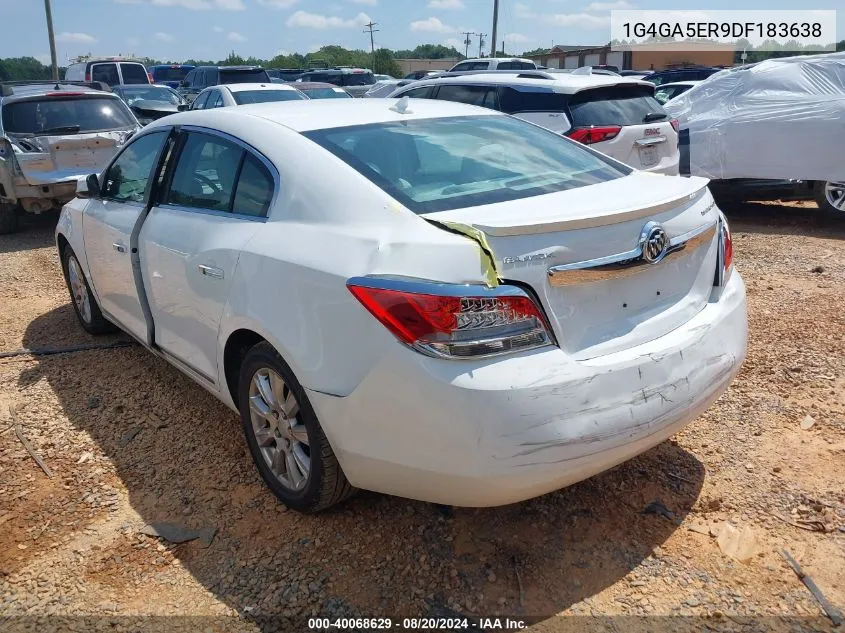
column 131, row 441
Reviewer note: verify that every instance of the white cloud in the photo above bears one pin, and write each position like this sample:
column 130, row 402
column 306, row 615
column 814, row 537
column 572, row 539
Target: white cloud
column 431, row 25
column 582, row 20
column 447, row 5
column 371, row 3
column 517, row 38
column 609, row 6
column 306, row 20
column 234, row 36
column 278, row 4
column 163, row 37
column 217, row 29
column 75, row 38
column 523, row 11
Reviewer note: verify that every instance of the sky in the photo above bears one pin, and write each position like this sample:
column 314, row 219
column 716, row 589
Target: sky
column 211, row 29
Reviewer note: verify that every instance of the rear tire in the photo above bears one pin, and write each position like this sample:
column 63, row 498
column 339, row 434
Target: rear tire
column 284, row 437
column 84, row 304
column 830, row 196
column 8, row 219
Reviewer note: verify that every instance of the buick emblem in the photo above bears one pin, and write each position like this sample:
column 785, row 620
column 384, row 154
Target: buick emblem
column 655, row 242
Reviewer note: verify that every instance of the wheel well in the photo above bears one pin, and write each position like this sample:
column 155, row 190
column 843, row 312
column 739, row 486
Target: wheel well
column 62, row 243
column 238, row 344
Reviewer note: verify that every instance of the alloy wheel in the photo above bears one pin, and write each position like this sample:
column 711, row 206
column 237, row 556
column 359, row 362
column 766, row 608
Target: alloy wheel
column 834, row 193
column 78, row 289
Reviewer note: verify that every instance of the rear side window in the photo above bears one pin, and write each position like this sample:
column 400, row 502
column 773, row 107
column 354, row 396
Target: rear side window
column 358, row 79
column 205, row 173
column 107, row 73
column 134, row 74
column 200, row 101
column 215, row 100
column 244, row 77
column 61, row 116
column 243, row 97
column 128, row 176
column 255, row 188
column 512, row 101
column 483, row 96
column 515, row 66
column 613, row 105
column 419, row 93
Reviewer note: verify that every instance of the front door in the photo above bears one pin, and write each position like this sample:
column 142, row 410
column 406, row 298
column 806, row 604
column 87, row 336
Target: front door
column 108, row 225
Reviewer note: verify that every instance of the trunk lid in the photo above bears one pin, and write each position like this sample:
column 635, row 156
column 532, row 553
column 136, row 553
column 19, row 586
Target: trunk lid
column 595, row 311
column 647, row 146
column 48, row 159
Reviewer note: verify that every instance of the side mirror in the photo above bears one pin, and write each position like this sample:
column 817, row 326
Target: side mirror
column 182, row 107
column 183, row 84
column 88, row 187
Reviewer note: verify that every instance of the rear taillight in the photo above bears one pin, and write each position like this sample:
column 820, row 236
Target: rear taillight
column 87, row 77
column 594, row 134
column 453, row 321
column 676, row 125
column 150, row 78
column 726, row 252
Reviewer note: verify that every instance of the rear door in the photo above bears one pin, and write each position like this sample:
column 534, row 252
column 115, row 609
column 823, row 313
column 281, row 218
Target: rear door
column 134, row 73
column 106, row 73
column 626, row 122
column 216, row 199
column 108, row 226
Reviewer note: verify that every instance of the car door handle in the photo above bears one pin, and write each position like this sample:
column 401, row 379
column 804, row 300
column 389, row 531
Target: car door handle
column 211, row 271
column 120, row 248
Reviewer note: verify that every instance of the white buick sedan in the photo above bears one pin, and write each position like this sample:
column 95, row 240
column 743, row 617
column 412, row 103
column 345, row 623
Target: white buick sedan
column 429, row 300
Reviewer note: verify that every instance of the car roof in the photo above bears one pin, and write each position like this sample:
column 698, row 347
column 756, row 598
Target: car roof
column 496, row 59
column 256, row 86
column 305, row 116
column 565, row 83
column 172, row 66
column 27, row 91
column 232, row 68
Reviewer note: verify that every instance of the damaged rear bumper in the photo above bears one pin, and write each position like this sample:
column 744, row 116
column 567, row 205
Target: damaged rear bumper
column 499, row 431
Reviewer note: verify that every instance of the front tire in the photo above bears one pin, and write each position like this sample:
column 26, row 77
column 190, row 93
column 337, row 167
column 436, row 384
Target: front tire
column 284, row 437
column 84, row 304
column 8, row 219
column 830, row 196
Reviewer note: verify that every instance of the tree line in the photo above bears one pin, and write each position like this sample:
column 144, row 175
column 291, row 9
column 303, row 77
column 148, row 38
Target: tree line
column 383, row 62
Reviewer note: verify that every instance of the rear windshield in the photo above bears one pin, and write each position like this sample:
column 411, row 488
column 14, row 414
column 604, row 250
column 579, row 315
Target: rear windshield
column 244, row 77
column 243, row 97
column 170, row 74
column 60, row 116
column 326, row 93
column 614, row 105
column 134, row 74
column 449, row 163
column 358, row 79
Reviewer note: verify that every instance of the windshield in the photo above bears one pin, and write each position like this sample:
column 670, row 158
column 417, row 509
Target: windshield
column 171, row 74
column 449, row 163
column 326, row 93
column 614, row 105
column 56, row 115
column 358, row 79
column 243, row 97
column 244, row 77
column 152, row 93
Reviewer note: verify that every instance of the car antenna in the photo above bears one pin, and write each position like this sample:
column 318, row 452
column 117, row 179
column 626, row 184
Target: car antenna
column 401, row 106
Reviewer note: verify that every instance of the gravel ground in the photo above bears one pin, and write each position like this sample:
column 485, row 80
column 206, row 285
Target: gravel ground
column 130, row 442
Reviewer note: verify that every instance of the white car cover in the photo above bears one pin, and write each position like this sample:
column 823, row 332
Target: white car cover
column 781, row 119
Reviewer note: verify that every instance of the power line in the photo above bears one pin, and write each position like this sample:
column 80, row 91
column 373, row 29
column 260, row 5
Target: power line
column 467, row 41
column 481, row 37
column 370, row 30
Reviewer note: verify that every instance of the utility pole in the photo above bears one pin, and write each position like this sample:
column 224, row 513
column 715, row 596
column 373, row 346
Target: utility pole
column 467, row 41
column 49, row 13
column 481, row 37
column 495, row 27
column 370, row 30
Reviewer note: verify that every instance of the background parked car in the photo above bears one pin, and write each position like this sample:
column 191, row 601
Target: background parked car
column 51, row 134
column 149, row 103
column 667, row 92
column 419, row 74
column 385, row 88
column 202, row 77
column 286, row 74
column 618, row 116
column 112, row 71
column 672, row 75
column 320, row 90
column 494, row 63
column 356, row 81
column 243, row 94
column 170, row 74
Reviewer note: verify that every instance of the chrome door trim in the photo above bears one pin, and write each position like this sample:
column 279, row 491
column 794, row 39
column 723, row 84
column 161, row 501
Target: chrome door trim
column 630, row 262
column 645, row 142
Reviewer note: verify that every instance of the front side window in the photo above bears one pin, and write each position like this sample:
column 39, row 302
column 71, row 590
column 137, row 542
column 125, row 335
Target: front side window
column 206, row 173
column 107, row 73
column 134, row 74
column 129, row 175
column 432, row 165
column 67, row 115
column 215, row 100
column 483, row 96
column 243, row 97
column 200, row 101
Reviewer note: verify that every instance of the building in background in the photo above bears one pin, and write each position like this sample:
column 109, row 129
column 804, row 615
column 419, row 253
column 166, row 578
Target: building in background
column 410, row 65
column 693, row 54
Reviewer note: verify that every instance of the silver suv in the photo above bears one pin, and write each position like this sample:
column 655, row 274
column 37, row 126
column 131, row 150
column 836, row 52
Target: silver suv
column 51, row 134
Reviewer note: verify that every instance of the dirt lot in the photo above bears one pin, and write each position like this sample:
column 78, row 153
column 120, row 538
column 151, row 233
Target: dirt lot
column 130, row 441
